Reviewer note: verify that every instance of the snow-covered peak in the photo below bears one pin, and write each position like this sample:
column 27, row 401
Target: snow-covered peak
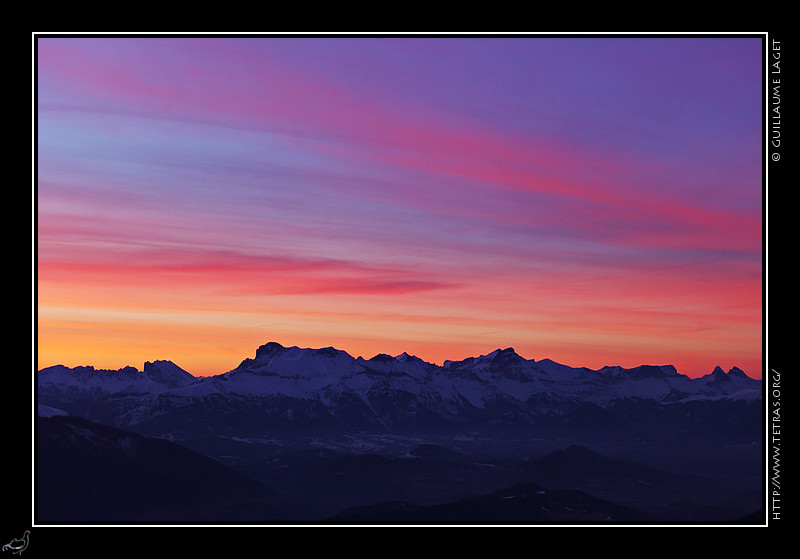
column 718, row 373
column 159, row 376
column 294, row 361
column 168, row 373
column 322, row 373
column 556, row 370
column 388, row 370
column 509, row 351
column 737, row 372
column 88, row 376
column 717, row 376
column 87, row 371
column 293, row 371
column 733, row 383
column 496, row 358
column 381, row 358
column 268, row 350
column 405, row 357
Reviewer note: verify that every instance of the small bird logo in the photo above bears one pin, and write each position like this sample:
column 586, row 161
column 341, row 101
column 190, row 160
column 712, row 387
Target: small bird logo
column 17, row 546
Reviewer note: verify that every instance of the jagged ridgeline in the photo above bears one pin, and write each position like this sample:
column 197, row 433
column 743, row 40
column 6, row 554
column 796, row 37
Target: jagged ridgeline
column 292, row 391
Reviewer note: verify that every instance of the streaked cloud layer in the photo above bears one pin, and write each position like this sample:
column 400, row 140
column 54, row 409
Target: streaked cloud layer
column 595, row 201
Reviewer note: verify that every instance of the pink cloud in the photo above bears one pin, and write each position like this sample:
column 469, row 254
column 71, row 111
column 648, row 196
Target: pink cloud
column 227, row 81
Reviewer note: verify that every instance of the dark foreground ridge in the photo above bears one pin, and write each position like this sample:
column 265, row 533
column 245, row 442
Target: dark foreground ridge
column 92, row 473
column 89, row 473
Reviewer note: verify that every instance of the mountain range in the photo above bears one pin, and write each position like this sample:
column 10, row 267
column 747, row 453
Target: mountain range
column 316, row 434
column 285, row 389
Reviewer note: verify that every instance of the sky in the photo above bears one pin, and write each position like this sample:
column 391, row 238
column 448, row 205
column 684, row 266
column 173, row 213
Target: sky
column 591, row 200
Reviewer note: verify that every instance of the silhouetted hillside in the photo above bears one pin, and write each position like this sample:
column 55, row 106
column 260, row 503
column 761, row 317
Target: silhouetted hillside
column 92, row 473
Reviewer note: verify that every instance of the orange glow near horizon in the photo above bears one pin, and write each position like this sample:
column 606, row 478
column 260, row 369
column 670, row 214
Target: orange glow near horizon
column 444, row 198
